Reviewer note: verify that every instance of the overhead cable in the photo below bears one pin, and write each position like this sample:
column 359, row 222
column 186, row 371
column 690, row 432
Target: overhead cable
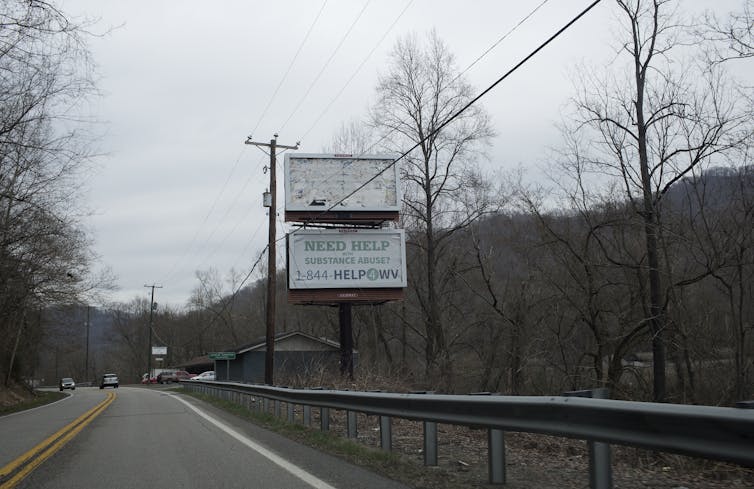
column 358, row 69
column 465, row 107
column 290, row 65
column 324, row 67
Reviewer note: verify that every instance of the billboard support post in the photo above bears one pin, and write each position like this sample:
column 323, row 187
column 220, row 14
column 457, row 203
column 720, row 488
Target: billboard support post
column 346, row 339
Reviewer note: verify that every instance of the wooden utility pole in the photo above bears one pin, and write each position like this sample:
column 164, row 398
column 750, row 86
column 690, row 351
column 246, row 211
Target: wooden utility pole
column 86, row 360
column 271, row 268
column 149, row 346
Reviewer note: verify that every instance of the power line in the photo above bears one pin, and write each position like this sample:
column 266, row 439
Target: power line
column 332, row 101
column 222, row 219
column 230, row 300
column 293, row 60
column 469, row 104
column 496, row 43
column 324, row 67
column 479, row 58
column 358, row 69
column 214, row 251
column 182, row 257
column 171, row 271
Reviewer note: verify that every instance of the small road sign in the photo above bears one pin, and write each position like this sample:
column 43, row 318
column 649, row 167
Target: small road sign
column 222, row 355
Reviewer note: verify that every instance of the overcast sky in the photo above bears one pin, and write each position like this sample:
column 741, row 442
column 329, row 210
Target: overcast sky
column 185, row 82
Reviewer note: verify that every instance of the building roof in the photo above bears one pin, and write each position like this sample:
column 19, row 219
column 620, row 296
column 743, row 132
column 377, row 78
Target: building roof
column 261, row 342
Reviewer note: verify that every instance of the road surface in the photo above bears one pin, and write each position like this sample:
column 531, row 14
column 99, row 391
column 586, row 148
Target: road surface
column 135, row 437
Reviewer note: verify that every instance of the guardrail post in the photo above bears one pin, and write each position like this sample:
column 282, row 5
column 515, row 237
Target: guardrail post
column 351, row 424
column 277, row 408
column 324, row 419
column 430, row 443
column 291, row 412
column 307, row 415
column 430, row 437
column 496, row 455
column 265, row 405
column 600, row 467
column 386, row 433
column 495, row 451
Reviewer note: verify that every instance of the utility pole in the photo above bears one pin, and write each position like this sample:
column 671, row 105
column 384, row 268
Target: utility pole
column 271, row 268
column 149, row 346
column 86, row 361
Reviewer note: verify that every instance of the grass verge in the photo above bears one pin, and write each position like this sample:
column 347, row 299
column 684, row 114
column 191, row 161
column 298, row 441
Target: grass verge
column 40, row 399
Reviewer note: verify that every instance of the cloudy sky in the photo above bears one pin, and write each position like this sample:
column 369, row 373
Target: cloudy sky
column 185, row 82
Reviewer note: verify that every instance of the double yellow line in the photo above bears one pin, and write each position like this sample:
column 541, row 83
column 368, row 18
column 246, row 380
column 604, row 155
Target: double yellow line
column 14, row 472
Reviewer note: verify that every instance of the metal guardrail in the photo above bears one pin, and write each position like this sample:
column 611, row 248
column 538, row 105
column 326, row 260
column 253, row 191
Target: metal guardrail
column 714, row 433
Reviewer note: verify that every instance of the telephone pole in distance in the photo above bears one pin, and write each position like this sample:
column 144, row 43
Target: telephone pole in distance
column 271, row 268
column 149, row 346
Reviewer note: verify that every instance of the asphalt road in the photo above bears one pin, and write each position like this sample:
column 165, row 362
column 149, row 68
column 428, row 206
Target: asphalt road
column 155, row 438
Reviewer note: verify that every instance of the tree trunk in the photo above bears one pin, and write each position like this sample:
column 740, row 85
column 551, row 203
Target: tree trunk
column 656, row 319
column 15, row 349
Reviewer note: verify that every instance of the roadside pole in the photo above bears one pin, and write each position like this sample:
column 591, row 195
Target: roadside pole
column 269, row 361
column 149, row 335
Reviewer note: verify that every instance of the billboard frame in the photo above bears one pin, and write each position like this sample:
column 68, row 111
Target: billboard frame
column 325, row 210
column 359, row 294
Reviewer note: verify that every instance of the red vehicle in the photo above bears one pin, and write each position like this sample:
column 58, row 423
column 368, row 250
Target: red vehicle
column 144, row 379
column 169, row 376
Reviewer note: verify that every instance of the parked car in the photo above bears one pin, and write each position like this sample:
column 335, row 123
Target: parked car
column 109, row 380
column 208, row 375
column 164, row 376
column 169, row 376
column 145, row 379
column 67, row 383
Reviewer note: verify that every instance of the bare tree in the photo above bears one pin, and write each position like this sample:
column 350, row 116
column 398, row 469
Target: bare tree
column 45, row 73
column 648, row 130
column 732, row 38
column 353, row 137
column 421, row 90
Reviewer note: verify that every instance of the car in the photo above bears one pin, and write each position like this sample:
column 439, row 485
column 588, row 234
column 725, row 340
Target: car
column 165, row 376
column 109, row 380
column 208, row 375
column 169, row 376
column 145, row 379
column 67, row 383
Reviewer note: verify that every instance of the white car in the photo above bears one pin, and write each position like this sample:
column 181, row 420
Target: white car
column 109, row 380
column 67, row 383
column 208, row 375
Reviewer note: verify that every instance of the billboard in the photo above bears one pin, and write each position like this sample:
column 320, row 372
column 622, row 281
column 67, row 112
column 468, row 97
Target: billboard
column 325, row 182
column 346, row 258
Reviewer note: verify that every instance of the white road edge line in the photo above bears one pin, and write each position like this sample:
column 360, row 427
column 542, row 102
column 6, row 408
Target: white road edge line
column 276, row 459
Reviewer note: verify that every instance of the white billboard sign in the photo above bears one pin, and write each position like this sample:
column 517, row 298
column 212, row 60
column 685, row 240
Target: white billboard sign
column 321, row 182
column 346, row 258
column 159, row 350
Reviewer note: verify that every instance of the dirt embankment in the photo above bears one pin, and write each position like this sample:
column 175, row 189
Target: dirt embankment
column 14, row 395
